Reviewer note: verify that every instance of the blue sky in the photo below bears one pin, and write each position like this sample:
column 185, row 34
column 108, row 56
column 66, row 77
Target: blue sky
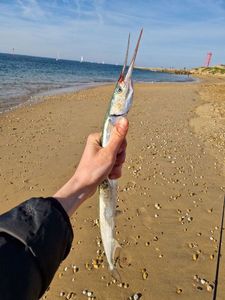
column 177, row 33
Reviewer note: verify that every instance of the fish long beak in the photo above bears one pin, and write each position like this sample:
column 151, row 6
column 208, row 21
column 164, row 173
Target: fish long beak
column 126, row 57
column 131, row 67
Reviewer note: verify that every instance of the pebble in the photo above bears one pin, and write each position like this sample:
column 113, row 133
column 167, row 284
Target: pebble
column 70, row 295
column 179, row 291
column 144, row 274
column 212, row 256
column 209, row 287
column 203, row 281
column 84, row 292
column 157, row 206
column 135, row 296
column 75, row 268
column 195, row 256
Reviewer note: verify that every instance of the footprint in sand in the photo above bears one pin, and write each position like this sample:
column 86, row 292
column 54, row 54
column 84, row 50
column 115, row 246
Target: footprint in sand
column 124, row 259
column 145, row 218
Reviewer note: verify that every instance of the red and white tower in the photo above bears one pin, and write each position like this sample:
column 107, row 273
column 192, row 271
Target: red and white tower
column 208, row 59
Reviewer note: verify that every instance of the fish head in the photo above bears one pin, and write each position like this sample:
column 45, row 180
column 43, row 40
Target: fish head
column 122, row 98
column 123, row 94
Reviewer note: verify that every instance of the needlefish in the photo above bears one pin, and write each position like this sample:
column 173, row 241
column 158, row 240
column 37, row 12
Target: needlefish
column 119, row 106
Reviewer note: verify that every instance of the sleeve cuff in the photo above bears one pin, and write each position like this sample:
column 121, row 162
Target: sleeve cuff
column 43, row 226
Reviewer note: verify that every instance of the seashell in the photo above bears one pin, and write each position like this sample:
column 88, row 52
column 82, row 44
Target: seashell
column 209, row 287
column 157, row 206
column 144, row 274
column 89, row 293
column 179, row 290
column 203, row 281
column 212, row 256
column 195, row 256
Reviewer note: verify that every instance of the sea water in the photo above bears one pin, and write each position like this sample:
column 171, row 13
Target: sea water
column 23, row 78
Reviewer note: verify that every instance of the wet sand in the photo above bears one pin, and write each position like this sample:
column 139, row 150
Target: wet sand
column 170, row 195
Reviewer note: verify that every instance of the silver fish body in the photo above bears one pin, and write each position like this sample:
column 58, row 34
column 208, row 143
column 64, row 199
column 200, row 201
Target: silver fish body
column 119, row 107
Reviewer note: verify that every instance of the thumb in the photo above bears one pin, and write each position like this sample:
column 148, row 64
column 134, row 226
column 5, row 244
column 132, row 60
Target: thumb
column 118, row 135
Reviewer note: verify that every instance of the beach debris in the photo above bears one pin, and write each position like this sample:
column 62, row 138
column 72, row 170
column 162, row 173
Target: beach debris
column 88, row 266
column 135, row 296
column 179, row 290
column 97, row 263
column 70, row 295
column 209, row 287
column 144, row 274
column 204, row 283
column 62, row 294
column 90, row 294
column 195, row 256
column 193, row 245
column 212, row 256
column 157, row 206
column 96, row 222
column 74, row 268
column 123, row 285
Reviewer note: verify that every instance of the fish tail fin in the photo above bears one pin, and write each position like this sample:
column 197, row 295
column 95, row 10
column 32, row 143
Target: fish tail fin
column 116, row 275
column 116, row 246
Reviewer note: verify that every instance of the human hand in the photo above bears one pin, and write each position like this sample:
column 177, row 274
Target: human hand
column 96, row 164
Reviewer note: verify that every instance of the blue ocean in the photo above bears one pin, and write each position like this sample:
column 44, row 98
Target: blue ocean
column 25, row 78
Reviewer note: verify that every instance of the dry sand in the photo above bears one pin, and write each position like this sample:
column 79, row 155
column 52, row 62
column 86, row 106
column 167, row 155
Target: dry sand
column 170, row 195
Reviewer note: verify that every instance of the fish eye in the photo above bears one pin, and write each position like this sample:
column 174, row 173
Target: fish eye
column 119, row 90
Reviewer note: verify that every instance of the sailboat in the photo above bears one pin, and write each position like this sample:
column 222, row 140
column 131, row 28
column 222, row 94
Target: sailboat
column 81, row 59
column 57, row 57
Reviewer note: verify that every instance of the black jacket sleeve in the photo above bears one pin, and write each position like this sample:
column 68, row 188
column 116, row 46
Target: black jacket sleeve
column 34, row 238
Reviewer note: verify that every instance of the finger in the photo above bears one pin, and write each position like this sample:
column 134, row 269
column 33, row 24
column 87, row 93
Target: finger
column 94, row 142
column 120, row 159
column 116, row 173
column 118, row 135
column 123, row 146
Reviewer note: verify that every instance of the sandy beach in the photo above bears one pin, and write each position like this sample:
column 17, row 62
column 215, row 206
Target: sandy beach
column 170, row 195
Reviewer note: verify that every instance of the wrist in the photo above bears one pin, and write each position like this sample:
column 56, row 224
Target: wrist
column 72, row 195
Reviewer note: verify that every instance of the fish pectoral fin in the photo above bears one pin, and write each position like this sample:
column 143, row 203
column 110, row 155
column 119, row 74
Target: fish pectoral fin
column 116, row 274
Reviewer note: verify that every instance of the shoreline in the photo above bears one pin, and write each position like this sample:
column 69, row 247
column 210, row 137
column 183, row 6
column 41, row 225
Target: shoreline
column 41, row 95
column 170, row 193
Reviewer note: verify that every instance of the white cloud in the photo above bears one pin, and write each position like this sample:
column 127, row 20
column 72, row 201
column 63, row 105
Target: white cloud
column 31, row 9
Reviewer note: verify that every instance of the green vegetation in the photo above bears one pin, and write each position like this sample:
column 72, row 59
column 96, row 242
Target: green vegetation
column 214, row 70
